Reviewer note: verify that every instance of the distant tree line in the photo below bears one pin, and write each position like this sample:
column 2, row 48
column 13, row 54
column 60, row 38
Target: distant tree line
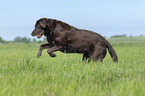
column 28, row 40
column 1, row 40
column 124, row 35
column 22, row 39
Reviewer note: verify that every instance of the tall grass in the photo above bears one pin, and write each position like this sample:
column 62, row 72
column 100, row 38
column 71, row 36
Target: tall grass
column 22, row 74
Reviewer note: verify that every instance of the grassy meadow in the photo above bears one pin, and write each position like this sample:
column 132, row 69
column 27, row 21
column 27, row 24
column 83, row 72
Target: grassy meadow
column 22, row 74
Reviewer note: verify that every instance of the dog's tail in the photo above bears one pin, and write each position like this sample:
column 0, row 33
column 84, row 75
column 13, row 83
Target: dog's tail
column 112, row 52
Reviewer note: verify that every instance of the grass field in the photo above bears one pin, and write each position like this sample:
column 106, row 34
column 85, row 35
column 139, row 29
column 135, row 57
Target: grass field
column 22, row 74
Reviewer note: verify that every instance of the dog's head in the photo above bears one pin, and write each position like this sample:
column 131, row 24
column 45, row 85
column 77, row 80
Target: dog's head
column 40, row 28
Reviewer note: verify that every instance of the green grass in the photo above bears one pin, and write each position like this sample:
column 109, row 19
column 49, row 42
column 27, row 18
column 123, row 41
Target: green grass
column 22, row 74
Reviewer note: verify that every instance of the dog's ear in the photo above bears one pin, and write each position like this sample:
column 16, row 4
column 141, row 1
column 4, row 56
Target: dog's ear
column 53, row 24
column 42, row 23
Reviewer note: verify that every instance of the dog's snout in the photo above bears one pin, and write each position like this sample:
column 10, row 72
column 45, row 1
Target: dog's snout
column 33, row 33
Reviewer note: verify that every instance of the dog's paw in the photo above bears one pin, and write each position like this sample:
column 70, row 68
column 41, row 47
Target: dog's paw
column 52, row 54
column 39, row 54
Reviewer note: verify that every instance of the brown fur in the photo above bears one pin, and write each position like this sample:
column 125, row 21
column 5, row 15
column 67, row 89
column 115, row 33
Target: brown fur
column 68, row 39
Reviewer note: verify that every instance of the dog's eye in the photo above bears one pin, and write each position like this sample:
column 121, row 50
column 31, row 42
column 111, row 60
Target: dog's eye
column 40, row 28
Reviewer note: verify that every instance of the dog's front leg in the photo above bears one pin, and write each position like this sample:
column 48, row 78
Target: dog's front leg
column 54, row 48
column 44, row 46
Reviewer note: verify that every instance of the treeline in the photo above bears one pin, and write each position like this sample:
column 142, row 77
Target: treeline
column 22, row 39
column 28, row 40
column 124, row 35
column 19, row 39
column 1, row 40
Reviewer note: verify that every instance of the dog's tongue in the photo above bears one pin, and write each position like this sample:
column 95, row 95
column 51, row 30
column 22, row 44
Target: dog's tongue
column 40, row 35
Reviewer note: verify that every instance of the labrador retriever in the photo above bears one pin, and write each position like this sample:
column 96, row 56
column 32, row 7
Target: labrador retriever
column 68, row 39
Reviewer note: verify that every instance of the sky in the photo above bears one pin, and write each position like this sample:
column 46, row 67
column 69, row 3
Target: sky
column 106, row 17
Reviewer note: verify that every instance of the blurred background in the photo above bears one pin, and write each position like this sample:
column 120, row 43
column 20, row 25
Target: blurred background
column 106, row 17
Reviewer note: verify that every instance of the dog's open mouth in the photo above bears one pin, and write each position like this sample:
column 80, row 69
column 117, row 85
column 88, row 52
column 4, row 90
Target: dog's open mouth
column 40, row 35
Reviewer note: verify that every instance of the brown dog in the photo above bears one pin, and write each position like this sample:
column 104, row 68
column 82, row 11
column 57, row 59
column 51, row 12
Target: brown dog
column 68, row 39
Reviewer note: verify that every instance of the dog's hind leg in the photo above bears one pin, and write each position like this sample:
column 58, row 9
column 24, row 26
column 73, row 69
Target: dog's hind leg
column 99, row 53
column 45, row 46
column 86, row 57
